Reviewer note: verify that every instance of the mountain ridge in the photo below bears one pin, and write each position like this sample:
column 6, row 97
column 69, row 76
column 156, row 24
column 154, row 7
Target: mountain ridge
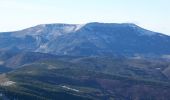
column 88, row 39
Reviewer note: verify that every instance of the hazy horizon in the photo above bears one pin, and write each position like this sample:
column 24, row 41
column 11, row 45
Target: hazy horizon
column 19, row 14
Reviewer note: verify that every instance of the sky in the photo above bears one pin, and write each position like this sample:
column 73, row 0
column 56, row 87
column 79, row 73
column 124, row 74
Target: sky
column 150, row 14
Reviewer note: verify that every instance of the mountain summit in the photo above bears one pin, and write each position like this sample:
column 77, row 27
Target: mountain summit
column 87, row 40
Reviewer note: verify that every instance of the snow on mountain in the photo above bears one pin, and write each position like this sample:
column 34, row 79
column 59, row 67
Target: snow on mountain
column 88, row 39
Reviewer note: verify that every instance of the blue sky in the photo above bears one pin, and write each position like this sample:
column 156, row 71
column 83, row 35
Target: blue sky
column 151, row 14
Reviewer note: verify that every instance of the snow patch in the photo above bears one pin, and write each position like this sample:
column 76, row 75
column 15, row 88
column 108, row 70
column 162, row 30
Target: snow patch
column 7, row 83
column 158, row 68
column 43, row 46
column 68, row 29
column 72, row 89
column 79, row 26
column 30, row 72
column 39, row 31
column 51, row 67
column 166, row 56
column 1, row 62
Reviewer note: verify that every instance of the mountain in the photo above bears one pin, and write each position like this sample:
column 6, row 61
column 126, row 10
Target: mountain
column 93, row 61
column 89, row 39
